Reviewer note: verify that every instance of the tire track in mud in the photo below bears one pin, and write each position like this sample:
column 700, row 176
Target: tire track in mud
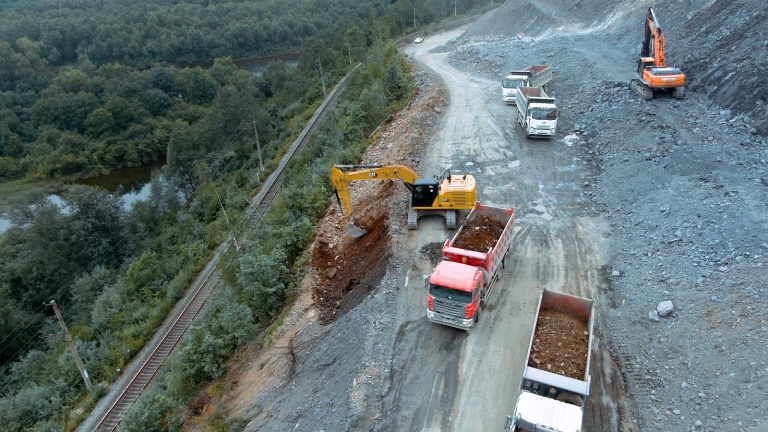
column 557, row 246
column 425, row 369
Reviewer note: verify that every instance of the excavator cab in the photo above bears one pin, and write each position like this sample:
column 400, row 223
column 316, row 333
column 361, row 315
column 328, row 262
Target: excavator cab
column 424, row 192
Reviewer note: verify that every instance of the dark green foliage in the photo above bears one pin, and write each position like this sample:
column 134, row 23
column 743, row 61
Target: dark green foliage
column 396, row 81
column 83, row 93
column 225, row 326
column 97, row 226
column 260, row 276
column 152, row 412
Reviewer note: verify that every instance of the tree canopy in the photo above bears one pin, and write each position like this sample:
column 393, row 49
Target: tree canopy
column 87, row 86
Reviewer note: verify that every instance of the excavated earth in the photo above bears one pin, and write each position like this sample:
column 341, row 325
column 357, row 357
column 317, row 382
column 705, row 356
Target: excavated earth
column 479, row 234
column 560, row 344
column 636, row 204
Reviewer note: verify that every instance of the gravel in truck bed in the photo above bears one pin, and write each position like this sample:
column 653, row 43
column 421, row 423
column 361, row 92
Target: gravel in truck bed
column 480, row 234
column 560, row 344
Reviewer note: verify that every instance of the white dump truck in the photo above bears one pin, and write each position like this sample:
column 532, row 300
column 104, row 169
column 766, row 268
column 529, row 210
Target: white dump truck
column 555, row 384
column 536, row 112
column 532, row 76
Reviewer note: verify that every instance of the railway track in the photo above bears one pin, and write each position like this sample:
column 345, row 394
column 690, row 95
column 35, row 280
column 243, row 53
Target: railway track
column 148, row 362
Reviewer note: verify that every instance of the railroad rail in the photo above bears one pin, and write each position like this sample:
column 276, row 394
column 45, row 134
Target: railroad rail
column 138, row 376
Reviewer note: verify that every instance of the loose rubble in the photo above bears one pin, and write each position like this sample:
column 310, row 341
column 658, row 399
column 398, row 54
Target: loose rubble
column 684, row 186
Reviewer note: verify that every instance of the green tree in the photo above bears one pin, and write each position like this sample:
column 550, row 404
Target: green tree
column 145, row 277
column 396, row 82
column 260, row 276
column 97, row 227
column 86, row 289
column 164, row 79
column 197, row 86
column 99, row 123
column 36, row 258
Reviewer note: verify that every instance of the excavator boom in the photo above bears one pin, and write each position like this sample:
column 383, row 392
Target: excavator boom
column 340, row 178
column 442, row 195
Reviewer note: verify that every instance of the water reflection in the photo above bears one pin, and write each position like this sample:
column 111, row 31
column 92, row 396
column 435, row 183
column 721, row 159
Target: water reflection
column 258, row 64
column 132, row 184
column 124, row 181
column 59, row 203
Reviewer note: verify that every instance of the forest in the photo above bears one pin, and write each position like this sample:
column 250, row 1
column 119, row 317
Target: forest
column 87, row 86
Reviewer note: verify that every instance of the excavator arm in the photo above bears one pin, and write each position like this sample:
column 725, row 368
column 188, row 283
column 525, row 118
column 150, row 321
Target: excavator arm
column 339, row 178
column 654, row 40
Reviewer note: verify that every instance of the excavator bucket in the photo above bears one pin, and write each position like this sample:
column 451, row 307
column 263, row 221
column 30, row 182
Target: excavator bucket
column 355, row 231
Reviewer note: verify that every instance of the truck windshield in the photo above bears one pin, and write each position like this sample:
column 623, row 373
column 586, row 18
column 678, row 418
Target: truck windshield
column 544, row 113
column 450, row 293
column 511, row 83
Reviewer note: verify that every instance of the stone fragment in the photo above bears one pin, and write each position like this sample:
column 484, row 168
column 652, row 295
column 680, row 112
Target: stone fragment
column 665, row 308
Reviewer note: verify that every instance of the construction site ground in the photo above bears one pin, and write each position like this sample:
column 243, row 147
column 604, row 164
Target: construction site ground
column 632, row 203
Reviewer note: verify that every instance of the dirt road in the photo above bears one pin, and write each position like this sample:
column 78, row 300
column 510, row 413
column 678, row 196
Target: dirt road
column 444, row 379
column 632, row 203
column 409, row 374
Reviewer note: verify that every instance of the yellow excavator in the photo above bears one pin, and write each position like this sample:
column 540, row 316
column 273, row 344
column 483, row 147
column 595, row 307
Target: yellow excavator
column 443, row 196
column 653, row 74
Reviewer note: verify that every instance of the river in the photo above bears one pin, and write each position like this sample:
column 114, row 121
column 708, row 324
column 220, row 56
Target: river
column 133, row 183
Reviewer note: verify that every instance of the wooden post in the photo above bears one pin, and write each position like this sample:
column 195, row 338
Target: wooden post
column 73, row 348
column 258, row 146
column 322, row 78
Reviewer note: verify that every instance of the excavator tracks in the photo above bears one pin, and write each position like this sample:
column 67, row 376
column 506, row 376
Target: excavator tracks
column 641, row 88
column 413, row 219
column 450, row 219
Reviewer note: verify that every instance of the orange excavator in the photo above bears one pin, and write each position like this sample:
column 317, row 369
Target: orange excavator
column 443, row 196
column 653, row 74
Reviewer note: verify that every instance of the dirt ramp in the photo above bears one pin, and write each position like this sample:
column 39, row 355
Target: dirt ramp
column 513, row 18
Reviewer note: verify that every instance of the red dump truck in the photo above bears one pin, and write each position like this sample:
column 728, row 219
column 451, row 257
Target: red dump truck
column 555, row 383
column 472, row 262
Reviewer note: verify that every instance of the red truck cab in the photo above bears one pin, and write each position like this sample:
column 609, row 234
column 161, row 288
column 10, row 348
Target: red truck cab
column 455, row 291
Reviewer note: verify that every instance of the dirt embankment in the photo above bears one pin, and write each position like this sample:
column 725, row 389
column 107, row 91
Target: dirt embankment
column 346, row 269
column 343, row 272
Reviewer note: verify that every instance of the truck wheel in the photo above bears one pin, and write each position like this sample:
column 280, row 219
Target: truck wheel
column 571, row 398
column 477, row 315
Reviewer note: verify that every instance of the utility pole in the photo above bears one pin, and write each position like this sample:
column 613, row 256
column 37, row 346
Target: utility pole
column 322, row 78
column 234, row 237
column 258, row 146
column 72, row 347
column 454, row 8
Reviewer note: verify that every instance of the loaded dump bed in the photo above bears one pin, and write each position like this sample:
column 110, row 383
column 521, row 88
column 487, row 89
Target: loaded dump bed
column 483, row 239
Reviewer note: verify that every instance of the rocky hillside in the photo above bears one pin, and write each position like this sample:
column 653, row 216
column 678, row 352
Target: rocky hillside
column 721, row 45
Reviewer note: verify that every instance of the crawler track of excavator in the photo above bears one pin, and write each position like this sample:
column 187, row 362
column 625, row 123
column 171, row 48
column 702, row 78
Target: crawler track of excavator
column 641, row 88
